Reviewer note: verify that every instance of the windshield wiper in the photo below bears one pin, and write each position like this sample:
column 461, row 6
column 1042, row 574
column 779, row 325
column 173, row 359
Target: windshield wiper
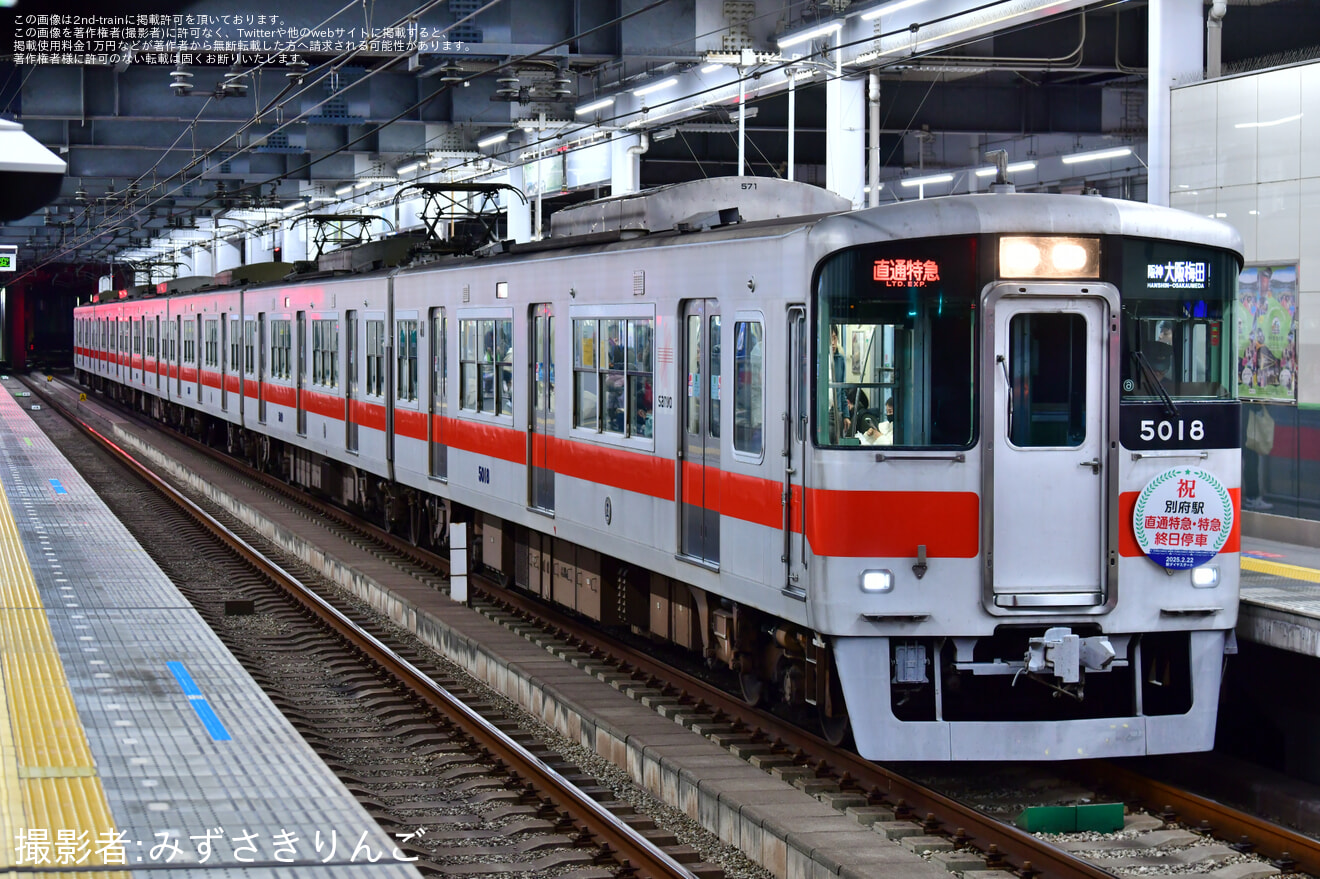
column 1154, row 383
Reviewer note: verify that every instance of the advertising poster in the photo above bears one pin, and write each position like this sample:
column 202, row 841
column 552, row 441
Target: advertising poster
column 1267, row 333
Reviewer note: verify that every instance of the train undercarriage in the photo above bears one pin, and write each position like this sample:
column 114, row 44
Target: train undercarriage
column 775, row 664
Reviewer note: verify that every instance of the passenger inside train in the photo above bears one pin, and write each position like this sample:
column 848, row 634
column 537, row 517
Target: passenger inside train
column 874, row 430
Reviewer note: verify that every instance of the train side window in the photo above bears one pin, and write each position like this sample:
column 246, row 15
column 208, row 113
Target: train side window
column 406, row 356
column 716, row 379
column 190, row 342
column 325, row 353
column 375, row 358
column 468, row 361
column 212, row 351
column 749, row 387
column 249, row 347
column 612, row 366
column 502, row 356
column 485, row 365
column 235, row 344
column 281, row 348
column 641, row 336
column 586, row 370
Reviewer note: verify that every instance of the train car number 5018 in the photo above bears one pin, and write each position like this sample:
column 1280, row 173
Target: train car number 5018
column 1167, row 430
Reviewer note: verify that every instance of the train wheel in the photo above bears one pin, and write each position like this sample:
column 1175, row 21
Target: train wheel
column 417, row 527
column 836, row 729
column 753, row 689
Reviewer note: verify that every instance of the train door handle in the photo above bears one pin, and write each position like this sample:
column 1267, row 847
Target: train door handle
column 1094, row 464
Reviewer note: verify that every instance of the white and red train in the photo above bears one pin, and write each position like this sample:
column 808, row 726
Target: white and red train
column 959, row 476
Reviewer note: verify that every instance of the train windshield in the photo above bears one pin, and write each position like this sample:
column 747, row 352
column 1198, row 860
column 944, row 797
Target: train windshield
column 895, row 345
column 1177, row 336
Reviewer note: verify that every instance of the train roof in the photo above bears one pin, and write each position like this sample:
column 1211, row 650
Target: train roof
column 695, row 204
column 1033, row 213
column 730, row 208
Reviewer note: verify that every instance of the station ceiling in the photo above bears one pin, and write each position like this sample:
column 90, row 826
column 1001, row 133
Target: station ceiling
column 156, row 140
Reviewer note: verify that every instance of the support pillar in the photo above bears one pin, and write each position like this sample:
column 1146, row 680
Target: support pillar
column 1172, row 55
column 845, row 138
column 518, row 211
column 626, row 163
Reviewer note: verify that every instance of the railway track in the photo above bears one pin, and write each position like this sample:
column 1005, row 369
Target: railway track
column 416, row 728
column 896, row 805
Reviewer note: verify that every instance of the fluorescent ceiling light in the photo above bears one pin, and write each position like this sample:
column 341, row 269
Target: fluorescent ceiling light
column 873, row 14
column 594, row 106
column 411, row 167
column 362, row 184
column 322, row 199
column 1269, row 124
column 711, row 68
column 926, row 181
column 296, row 206
column 832, row 27
column 493, row 139
column 1012, row 169
column 345, row 189
column 656, row 86
column 1097, row 155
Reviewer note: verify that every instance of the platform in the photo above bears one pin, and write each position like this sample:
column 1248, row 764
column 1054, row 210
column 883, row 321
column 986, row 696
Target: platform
column 1280, row 596
column 129, row 733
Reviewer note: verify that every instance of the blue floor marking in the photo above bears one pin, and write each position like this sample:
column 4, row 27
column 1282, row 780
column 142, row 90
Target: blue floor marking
column 210, row 721
column 185, row 680
column 195, row 698
column 59, row 489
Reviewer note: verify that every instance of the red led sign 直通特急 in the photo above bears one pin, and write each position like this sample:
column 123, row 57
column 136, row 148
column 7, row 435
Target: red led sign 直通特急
column 905, row 272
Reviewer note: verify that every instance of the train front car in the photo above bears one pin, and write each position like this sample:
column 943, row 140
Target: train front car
column 1022, row 475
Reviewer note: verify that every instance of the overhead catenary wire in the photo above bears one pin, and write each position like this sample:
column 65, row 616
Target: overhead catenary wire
column 548, row 140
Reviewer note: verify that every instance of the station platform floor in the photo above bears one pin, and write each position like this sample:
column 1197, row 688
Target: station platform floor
column 1280, row 596
column 131, row 741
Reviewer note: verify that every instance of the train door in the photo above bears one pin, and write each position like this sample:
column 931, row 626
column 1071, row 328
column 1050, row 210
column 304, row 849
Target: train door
column 1048, row 432
column 155, row 349
column 794, row 496
column 261, row 367
column 541, row 421
column 351, row 385
column 135, row 361
column 197, row 357
column 699, row 479
column 300, row 352
column 176, row 357
column 438, row 401
column 224, row 363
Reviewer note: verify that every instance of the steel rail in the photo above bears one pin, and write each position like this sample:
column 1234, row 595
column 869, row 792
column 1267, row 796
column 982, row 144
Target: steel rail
column 1023, row 852
column 624, row 844
column 1291, row 851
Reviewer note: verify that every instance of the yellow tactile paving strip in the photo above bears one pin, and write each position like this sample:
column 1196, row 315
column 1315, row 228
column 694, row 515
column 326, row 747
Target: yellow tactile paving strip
column 50, row 784
column 1278, row 569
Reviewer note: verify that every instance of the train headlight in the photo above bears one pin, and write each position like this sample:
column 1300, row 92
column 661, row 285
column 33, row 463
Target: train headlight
column 1049, row 257
column 1205, row 576
column 877, row 581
